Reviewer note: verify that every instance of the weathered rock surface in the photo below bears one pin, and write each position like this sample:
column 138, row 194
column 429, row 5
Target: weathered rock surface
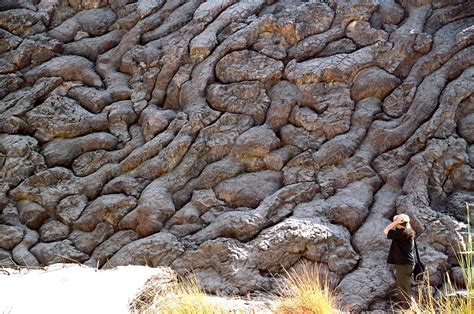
column 234, row 139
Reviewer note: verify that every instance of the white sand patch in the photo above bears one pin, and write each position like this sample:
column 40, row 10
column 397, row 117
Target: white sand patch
column 72, row 289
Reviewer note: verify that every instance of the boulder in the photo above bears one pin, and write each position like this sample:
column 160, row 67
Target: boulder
column 373, row 82
column 160, row 249
column 63, row 117
column 54, row 231
column 248, row 190
column 10, row 236
column 70, row 68
column 104, row 251
column 248, row 98
column 62, row 152
column 22, row 22
column 248, row 65
column 95, row 22
column 31, row 214
column 110, row 208
column 466, row 128
column 87, row 241
column 58, row 252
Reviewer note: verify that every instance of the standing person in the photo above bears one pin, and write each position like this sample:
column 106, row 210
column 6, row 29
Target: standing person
column 401, row 253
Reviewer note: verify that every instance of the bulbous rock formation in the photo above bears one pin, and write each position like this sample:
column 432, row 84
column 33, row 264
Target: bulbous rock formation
column 236, row 139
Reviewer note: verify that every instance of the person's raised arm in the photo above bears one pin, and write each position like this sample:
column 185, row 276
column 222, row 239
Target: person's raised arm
column 398, row 220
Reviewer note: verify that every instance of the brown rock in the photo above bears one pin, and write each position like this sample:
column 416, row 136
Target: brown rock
column 248, row 65
column 88, row 241
column 344, row 45
column 53, row 231
column 63, row 117
column 31, row 214
column 62, row 152
column 284, row 96
column 70, row 208
column 21, row 22
column 70, row 68
column 363, row 34
column 245, row 97
column 248, row 190
column 110, row 208
column 466, row 128
column 9, row 83
column 10, row 236
column 109, row 247
column 91, row 48
column 95, row 22
column 160, row 249
column 373, row 82
column 58, row 252
column 92, row 99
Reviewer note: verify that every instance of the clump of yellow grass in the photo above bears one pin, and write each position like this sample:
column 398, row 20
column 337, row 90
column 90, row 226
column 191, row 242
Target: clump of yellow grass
column 306, row 290
column 184, row 296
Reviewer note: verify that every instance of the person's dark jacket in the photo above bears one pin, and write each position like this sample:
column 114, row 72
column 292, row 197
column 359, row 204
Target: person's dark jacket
column 401, row 249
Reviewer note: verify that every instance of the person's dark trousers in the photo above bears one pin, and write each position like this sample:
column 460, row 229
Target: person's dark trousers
column 403, row 279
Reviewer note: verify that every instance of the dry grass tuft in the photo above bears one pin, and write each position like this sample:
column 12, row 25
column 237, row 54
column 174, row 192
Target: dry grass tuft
column 177, row 297
column 306, row 291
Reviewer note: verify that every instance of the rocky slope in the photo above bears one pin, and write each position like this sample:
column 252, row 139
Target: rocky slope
column 236, row 138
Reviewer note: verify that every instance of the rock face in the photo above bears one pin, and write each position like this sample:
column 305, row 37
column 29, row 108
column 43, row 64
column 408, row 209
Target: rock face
column 236, row 138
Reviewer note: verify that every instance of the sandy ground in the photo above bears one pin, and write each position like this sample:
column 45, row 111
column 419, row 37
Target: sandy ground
column 71, row 289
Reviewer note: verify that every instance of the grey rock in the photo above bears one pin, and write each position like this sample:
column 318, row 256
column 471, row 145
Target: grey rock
column 32, row 51
column 70, row 68
column 6, row 259
column 87, row 4
column 245, row 224
column 18, row 103
column 284, row 96
column 338, row 68
column 248, row 65
column 373, row 82
column 95, row 22
column 63, row 117
column 21, row 158
column 58, row 252
column 301, row 138
column 62, row 152
column 153, row 121
column 31, row 214
column 255, row 142
column 344, row 45
column 110, row 208
column 104, row 251
column 46, row 188
column 70, row 208
column 10, row 236
column 466, row 128
column 363, row 34
column 160, row 249
column 88, row 241
column 53, row 231
column 246, row 97
column 9, row 83
column 155, row 204
column 235, row 140
column 121, row 115
column 21, row 252
column 90, row 98
column 248, row 190
column 21, row 22
column 91, row 48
